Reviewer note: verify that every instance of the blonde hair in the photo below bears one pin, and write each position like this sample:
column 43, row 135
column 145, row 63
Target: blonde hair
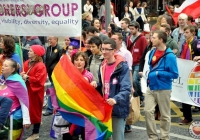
column 158, row 23
column 182, row 16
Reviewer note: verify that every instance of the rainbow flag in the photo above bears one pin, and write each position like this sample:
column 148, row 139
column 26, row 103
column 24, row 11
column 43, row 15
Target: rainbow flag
column 80, row 103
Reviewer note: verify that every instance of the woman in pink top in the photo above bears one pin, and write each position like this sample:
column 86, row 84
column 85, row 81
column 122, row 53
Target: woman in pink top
column 79, row 59
column 13, row 87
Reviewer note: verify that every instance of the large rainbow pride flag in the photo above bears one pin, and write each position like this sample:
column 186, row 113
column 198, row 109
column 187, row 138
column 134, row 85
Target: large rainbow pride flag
column 80, row 103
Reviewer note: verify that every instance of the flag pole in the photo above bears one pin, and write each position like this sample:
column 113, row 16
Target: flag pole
column 21, row 56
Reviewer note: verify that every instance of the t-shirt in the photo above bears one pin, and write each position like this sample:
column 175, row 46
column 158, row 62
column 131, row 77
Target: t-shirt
column 108, row 72
column 127, row 56
column 157, row 55
column 7, row 93
column 88, row 75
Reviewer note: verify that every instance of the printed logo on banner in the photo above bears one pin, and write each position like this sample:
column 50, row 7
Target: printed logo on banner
column 194, row 130
column 194, row 85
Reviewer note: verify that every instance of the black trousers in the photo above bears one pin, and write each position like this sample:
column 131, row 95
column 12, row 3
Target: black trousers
column 187, row 112
column 67, row 136
column 36, row 128
column 141, row 24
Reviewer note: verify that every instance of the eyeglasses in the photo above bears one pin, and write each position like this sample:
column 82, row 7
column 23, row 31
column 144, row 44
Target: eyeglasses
column 105, row 49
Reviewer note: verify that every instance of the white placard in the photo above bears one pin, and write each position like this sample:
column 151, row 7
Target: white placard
column 186, row 88
column 40, row 17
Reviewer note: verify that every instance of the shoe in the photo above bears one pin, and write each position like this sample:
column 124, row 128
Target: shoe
column 33, row 137
column 185, row 122
column 47, row 114
column 196, row 109
column 128, row 131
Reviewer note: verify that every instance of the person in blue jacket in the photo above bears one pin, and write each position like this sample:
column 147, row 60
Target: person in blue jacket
column 162, row 70
column 115, row 86
column 8, row 48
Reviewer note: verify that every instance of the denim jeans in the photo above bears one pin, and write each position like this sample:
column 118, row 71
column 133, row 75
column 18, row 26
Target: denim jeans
column 136, row 82
column 118, row 126
column 49, row 103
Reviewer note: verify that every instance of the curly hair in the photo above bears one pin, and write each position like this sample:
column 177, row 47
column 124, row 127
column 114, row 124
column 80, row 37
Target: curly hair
column 38, row 59
column 9, row 46
column 79, row 53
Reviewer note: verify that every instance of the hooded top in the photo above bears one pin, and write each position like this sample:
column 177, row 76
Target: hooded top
column 120, row 86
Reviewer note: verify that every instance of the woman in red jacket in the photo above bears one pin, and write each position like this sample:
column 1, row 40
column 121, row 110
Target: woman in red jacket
column 35, row 75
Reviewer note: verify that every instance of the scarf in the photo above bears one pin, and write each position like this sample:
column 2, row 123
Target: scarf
column 186, row 51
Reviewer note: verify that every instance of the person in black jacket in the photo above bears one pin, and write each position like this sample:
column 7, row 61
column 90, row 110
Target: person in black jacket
column 53, row 54
column 127, row 13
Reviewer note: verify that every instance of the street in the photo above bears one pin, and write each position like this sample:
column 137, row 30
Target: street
column 178, row 132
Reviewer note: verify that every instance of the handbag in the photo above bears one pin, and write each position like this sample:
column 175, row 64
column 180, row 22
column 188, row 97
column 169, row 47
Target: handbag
column 134, row 114
column 147, row 27
column 59, row 126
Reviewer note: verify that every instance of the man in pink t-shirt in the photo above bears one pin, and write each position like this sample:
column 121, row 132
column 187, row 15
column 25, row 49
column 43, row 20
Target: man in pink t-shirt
column 115, row 86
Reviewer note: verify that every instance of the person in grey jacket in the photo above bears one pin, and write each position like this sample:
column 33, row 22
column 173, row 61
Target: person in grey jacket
column 96, row 58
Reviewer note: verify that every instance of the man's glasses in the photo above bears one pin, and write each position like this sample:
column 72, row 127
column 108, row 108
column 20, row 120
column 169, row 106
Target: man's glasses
column 105, row 49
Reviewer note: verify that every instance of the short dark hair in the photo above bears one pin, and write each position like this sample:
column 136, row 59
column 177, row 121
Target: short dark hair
column 190, row 27
column 190, row 18
column 161, row 35
column 95, row 40
column 92, row 29
column 135, row 24
column 126, row 20
column 111, row 42
column 166, row 26
column 79, row 53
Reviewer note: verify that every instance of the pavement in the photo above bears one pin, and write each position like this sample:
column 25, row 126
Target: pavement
column 178, row 132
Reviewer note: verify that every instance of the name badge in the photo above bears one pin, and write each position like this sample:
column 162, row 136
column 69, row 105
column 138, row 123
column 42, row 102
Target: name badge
column 136, row 50
column 115, row 81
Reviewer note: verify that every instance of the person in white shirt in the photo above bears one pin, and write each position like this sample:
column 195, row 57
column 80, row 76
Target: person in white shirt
column 118, row 38
column 88, row 7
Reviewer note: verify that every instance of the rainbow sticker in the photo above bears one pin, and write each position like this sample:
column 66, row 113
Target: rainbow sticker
column 194, row 85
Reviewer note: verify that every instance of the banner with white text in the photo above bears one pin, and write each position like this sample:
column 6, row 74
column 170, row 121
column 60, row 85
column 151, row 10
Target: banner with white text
column 41, row 17
column 186, row 88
